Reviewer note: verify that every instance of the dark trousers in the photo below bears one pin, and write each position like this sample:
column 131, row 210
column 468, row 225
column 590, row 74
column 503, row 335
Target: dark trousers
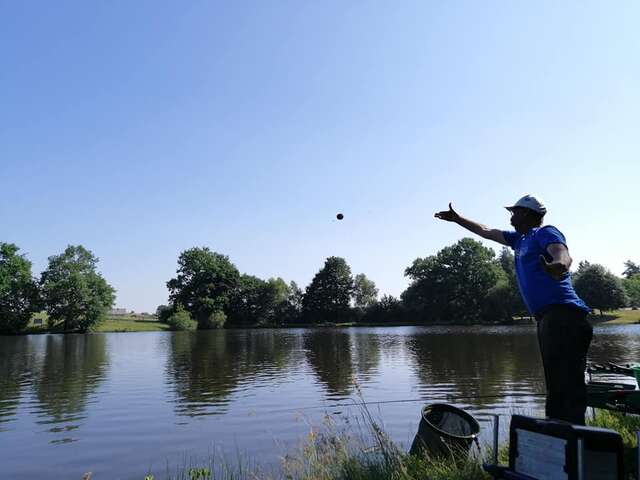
column 564, row 335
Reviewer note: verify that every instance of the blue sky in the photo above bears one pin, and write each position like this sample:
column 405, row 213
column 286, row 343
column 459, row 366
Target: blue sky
column 140, row 129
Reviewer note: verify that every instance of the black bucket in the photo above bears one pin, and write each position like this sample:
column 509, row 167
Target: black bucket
column 444, row 430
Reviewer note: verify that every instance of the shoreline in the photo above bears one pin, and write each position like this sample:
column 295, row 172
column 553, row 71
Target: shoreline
column 150, row 324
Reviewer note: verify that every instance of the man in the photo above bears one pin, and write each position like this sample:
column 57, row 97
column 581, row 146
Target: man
column 542, row 267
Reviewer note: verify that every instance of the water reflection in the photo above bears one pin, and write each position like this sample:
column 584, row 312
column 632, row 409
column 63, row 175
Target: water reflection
column 367, row 354
column 50, row 387
column 16, row 367
column 618, row 344
column 205, row 368
column 476, row 363
column 71, row 370
column 329, row 353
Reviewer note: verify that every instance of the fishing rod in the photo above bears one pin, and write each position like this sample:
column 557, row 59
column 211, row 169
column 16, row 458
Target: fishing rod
column 408, row 400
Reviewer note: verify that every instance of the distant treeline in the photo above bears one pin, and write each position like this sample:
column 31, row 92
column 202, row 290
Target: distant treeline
column 463, row 283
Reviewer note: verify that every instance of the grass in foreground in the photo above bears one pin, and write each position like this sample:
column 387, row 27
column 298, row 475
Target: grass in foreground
column 626, row 426
column 365, row 452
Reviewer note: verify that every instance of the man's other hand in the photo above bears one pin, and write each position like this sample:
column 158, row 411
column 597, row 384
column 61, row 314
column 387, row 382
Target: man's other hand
column 448, row 215
column 555, row 269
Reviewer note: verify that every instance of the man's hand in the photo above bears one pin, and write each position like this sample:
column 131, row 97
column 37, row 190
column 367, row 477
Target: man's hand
column 448, row 215
column 555, row 269
column 490, row 234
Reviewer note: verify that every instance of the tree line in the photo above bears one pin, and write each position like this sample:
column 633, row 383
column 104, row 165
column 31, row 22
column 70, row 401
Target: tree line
column 208, row 290
column 71, row 291
column 463, row 283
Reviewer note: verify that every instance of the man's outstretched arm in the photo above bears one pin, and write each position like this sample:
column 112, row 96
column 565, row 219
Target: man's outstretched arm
column 485, row 232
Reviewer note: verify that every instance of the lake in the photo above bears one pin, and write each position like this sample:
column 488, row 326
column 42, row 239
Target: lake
column 122, row 404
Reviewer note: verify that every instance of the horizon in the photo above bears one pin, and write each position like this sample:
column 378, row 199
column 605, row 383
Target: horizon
column 142, row 130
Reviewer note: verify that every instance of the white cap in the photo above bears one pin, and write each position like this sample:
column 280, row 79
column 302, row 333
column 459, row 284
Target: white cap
column 530, row 202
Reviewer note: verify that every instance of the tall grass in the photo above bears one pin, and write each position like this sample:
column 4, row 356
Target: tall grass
column 361, row 450
column 626, row 426
column 365, row 452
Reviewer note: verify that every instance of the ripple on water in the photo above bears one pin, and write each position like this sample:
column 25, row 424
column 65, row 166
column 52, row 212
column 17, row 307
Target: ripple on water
column 147, row 399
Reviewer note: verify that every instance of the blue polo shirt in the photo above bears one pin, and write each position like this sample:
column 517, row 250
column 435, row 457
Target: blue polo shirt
column 538, row 289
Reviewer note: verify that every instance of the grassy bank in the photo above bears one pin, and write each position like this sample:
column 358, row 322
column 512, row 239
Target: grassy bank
column 119, row 323
column 131, row 324
column 365, row 452
column 617, row 317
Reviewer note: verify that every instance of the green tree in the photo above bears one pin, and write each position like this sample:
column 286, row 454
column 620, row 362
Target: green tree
column 256, row 301
column 74, row 293
column 279, row 289
column 499, row 303
column 630, row 269
column 163, row 312
column 451, row 285
column 365, row 292
column 291, row 310
column 582, row 266
column 507, row 262
column 19, row 296
column 180, row 320
column 387, row 309
column 278, row 294
column 244, row 304
column 503, row 301
column 217, row 319
column 598, row 287
column 296, row 296
column 204, row 284
column 328, row 296
column 632, row 288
